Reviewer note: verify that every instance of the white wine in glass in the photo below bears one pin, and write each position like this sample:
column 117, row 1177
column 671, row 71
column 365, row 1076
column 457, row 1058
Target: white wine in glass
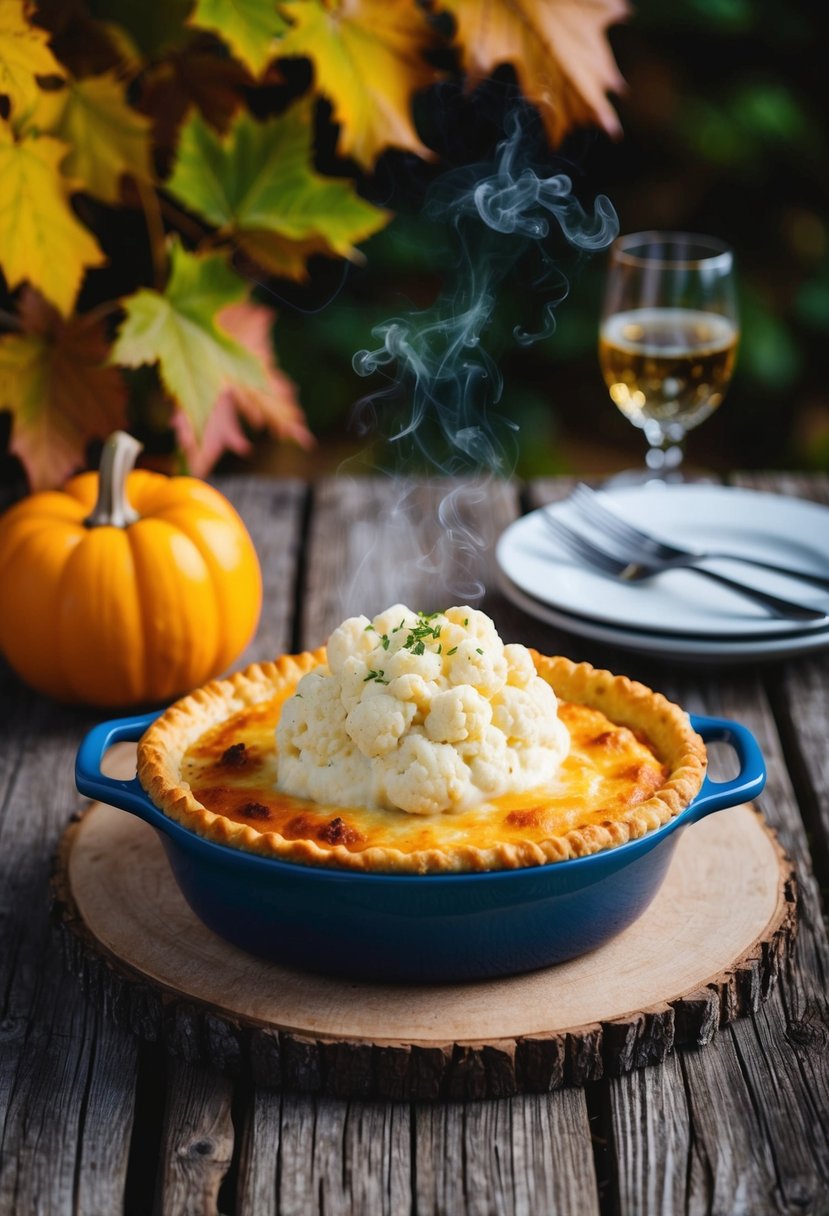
column 668, row 338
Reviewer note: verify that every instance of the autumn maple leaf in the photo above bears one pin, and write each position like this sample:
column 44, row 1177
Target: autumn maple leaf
column 24, row 55
column 259, row 184
column 41, row 240
column 55, row 381
column 106, row 138
column 368, row 61
column 273, row 407
column 558, row 49
column 178, row 331
column 248, row 27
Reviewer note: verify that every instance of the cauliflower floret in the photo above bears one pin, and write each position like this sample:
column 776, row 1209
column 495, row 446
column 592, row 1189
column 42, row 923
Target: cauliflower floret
column 475, row 624
column 471, row 664
column 376, row 724
column 394, row 623
column 405, row 662
column 353, row 680
column 415, row 689
column 457, row 714
column 422, row 713
column 351, row 639
column 488, row 760
column 313, row 719
column 313, row 781
column 423, row 777
column 517, row 714
column 520, row 667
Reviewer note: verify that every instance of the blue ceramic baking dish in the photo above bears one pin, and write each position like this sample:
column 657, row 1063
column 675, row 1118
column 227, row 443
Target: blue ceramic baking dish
column 409, row 927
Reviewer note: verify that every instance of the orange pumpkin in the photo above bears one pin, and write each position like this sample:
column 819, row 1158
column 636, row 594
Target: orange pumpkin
column 126, row 587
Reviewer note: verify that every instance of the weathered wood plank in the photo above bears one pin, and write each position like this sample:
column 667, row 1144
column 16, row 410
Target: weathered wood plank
column 196, row 1141
column 68, row 1114
column 67, row 1075
column 273, row 511
column 307, row 1156
column 514, row 1156
column 800, row 696
column 652, row 1140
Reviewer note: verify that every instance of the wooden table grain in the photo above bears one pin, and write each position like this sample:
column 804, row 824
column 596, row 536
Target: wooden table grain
column 96, row 1122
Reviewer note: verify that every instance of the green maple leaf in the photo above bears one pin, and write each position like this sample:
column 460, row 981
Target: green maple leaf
column 259, row 179
column 248, row 27
column 177, row 329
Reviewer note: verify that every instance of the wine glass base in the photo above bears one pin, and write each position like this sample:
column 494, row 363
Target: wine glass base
column 657, row 477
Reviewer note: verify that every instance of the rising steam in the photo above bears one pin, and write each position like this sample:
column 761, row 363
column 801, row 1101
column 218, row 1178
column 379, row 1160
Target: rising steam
column 442, row 383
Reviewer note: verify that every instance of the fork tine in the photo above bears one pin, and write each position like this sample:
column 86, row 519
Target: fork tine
column 588, row 502
column 581, row 547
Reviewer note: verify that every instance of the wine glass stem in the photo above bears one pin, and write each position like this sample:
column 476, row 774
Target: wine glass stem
column 665, row 450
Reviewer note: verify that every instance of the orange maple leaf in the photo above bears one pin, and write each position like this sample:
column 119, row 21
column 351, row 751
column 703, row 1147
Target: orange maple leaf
column 562, row 59
column 62, row 394
column 273, row 408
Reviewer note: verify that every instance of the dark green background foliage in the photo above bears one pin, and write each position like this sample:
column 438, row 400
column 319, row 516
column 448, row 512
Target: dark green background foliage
column 723, row 132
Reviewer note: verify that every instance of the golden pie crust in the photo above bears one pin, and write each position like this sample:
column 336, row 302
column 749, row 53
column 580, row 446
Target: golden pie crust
column 635, row 762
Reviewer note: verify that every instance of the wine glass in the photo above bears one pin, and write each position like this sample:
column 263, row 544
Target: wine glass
column 667, row 339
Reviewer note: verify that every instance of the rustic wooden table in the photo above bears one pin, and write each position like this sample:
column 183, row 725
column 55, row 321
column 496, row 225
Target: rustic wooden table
column 96, row 1121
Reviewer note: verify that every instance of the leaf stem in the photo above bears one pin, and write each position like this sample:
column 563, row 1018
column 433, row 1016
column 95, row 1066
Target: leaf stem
column 182, row 221
column 151, row 206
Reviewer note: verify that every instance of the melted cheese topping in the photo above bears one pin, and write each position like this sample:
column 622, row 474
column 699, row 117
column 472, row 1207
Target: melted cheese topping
column 231, row 770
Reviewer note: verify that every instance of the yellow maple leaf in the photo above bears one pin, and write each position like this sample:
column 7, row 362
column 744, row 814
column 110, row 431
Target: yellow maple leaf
column 558, row 48
column 41, row 241
column 248, row 27
column 106, row 137
column 24, row 55
column 61, row 393
column 368, row 61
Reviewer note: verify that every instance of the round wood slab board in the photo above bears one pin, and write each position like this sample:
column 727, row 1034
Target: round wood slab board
column 707, row 950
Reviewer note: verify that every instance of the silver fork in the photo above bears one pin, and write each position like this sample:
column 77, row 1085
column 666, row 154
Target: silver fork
column 645, row 547
column 635, row 571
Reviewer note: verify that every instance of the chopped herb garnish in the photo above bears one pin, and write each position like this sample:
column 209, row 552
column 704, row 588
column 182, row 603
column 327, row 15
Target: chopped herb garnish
column 452, row 651
column 384, row 641
column 421, row 633
column 466, row 621
column 371, row 627
column 478, row 649
column 376, row 675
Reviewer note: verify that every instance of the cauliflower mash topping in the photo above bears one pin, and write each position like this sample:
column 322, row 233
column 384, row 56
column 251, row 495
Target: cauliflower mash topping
column 423, row 713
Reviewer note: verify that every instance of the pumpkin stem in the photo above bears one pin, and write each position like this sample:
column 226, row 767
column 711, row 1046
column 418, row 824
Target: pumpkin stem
column 117, row 459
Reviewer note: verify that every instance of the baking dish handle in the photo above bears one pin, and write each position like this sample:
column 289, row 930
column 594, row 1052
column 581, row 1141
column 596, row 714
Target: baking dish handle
column 128, row 795
column 749, row 782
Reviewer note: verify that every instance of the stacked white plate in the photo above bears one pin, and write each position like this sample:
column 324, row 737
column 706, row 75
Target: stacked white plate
column 679, row 613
